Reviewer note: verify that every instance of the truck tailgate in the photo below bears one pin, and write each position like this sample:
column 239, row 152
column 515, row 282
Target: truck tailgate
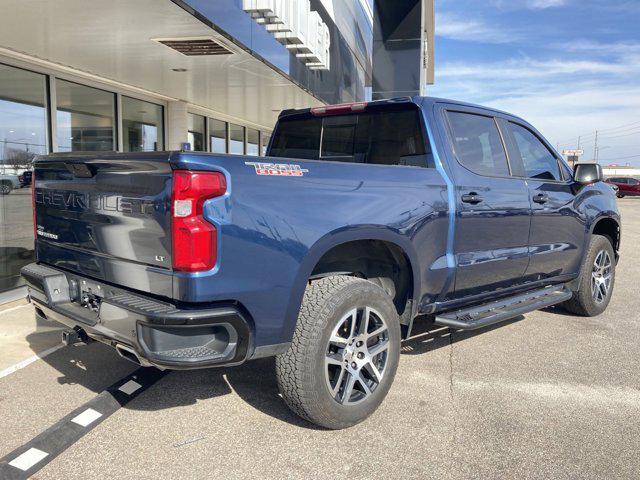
column 106, row 216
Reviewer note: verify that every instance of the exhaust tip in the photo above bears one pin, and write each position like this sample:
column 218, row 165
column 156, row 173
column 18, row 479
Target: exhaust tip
column 128, row 354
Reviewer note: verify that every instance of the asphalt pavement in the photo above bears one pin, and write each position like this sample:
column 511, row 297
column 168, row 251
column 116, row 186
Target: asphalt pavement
column 547, row 395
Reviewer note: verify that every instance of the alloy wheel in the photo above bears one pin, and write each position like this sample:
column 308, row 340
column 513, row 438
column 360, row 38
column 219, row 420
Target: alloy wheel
column 356, row 356
column 601, row 276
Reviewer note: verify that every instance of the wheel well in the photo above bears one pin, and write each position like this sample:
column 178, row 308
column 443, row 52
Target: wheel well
column 380, row 262
column 610, row 229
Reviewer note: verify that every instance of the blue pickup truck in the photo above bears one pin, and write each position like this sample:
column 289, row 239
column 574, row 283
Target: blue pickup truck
column 361, row 218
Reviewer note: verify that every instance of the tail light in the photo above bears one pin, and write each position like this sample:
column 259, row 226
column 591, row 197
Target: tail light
column 194, row 238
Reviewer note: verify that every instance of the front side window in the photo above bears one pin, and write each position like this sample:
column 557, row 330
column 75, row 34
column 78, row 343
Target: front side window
column 477, row 144
column 142, row 126
column 538, row 161
column 85, row 118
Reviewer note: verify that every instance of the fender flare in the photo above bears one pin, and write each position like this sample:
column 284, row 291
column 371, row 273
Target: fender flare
column 333, row 239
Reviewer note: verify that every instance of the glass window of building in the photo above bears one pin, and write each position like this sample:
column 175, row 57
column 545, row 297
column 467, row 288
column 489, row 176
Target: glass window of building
column 85, row 118
column 217, row 136
column 253, row 142
column 264, row 140
column 142, row 126
column 236, row 139
column 196, row 132
column 23, row 128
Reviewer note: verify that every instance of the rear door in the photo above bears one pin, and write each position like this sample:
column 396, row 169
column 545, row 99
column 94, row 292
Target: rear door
column 557, row 231
column 493, row 209
column 106, row 217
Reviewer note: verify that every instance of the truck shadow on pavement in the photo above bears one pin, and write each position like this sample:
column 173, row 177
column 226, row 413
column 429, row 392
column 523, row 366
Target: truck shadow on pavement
column 96, row 366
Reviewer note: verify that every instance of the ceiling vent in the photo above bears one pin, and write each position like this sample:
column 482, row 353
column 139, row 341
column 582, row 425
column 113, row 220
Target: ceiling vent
column 195, row 47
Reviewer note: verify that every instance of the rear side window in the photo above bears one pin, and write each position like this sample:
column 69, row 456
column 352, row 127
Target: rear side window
column 537, row 159
column 383, row 137
column 477, row 144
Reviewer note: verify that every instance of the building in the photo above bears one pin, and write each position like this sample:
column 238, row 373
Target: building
column 620, row 171
column 206, row 75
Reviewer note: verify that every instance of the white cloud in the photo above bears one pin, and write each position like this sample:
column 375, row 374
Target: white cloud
column 562, row 98
column 542, row 4
column 455, row 27
column 529, row 4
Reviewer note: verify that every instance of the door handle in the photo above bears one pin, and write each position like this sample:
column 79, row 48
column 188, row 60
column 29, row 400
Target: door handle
column 473, row 198
column 541, row 198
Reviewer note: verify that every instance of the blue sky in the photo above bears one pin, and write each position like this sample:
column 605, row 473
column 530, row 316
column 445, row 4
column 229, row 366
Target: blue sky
column 567, row 66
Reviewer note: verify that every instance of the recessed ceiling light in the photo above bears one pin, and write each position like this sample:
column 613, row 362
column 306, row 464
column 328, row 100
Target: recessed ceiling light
column 179, row 69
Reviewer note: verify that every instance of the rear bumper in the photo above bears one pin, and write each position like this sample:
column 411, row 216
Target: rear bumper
column 141, row 328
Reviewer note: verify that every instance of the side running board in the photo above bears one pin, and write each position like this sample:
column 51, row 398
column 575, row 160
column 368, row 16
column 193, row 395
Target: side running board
column 500, row 310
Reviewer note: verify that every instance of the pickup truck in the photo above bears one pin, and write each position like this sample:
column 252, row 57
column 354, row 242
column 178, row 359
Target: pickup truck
column 361, row 218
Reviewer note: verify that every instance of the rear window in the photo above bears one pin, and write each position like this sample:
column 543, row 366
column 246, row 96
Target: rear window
column 383, row 137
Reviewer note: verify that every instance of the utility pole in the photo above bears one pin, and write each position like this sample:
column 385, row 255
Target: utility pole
column 595, row 148
column 579, row 138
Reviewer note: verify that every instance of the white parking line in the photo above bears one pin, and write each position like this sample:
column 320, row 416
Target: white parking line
column 28, row 459
column 130, row 387
column 29, row 361
column 87, row 417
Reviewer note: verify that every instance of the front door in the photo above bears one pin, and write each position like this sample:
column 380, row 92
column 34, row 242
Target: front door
column 557, row 231
column 493, row 209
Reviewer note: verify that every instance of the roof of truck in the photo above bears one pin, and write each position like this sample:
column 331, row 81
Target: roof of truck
column 418, row 100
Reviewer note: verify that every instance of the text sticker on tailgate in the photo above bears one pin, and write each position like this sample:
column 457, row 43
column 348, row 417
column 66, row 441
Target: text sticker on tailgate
column 280, row 169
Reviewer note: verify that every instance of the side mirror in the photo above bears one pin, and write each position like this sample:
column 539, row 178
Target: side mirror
column 585, row 173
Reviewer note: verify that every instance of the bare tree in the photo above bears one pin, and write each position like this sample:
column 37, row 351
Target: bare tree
column 18, row 159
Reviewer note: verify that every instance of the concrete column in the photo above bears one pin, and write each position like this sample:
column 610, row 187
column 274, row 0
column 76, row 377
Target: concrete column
column 178, row 125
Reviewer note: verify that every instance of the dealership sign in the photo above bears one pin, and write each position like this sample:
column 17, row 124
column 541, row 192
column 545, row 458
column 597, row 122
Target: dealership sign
column 296, row 26
column 573, row 153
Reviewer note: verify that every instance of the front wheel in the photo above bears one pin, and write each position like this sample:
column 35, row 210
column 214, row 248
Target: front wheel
column 620, row 195
column 344, row 353
column 5, row 188
column 597, row 278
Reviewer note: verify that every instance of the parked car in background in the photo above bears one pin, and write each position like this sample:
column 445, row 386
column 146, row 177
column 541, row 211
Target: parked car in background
column 25, row 178
column 626, row 186
column 8, row 183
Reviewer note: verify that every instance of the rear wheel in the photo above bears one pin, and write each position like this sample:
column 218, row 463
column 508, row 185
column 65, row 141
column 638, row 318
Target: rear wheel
column 5, row 188
column 344, row 353
column 620, row 195
column 597, row 278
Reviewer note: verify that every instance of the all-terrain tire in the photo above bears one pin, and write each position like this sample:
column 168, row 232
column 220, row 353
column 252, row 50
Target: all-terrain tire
column 583, row 301
column 302, row 372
